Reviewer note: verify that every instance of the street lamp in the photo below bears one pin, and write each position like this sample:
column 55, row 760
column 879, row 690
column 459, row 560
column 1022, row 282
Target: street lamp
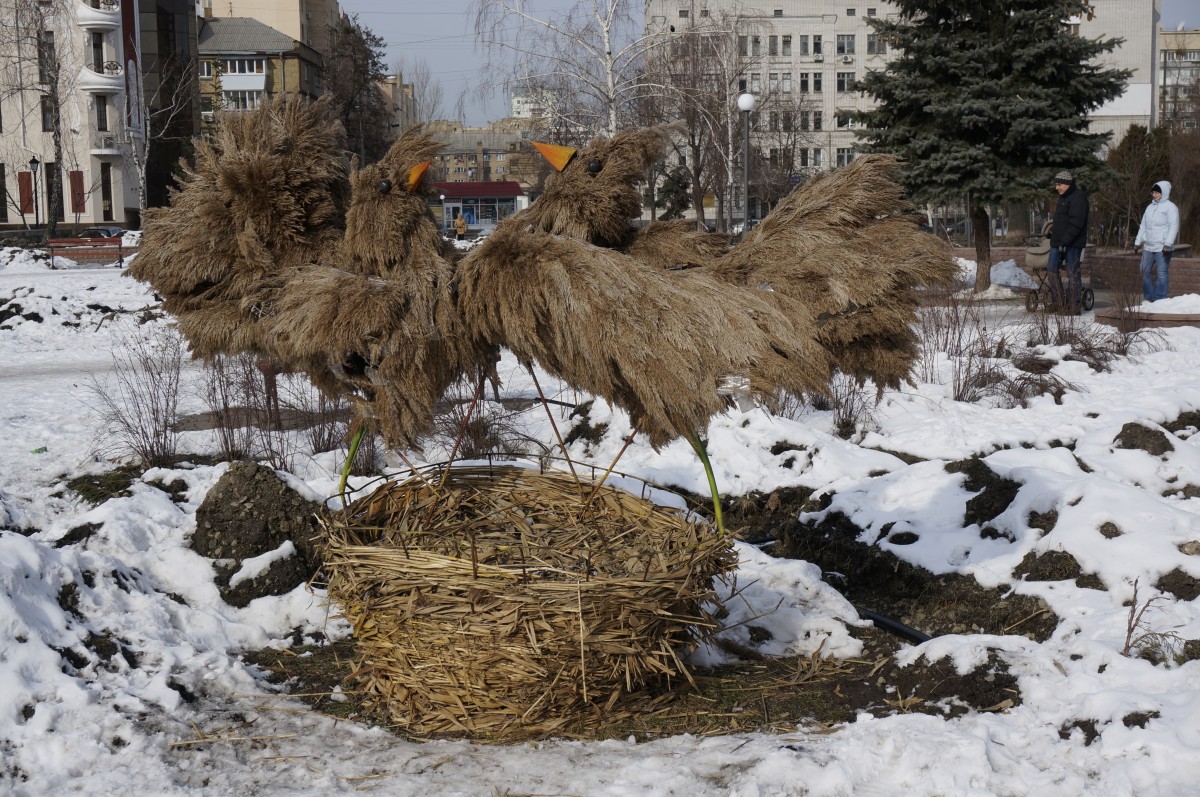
column 746, row 103
column 34, row 163
column 442, row 198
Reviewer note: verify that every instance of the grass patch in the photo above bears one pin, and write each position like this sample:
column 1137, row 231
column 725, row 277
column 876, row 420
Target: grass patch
column 100, row 487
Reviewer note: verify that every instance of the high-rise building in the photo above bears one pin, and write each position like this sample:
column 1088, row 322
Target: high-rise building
column 815, row 49
column 1179, row 83
column 97, row 101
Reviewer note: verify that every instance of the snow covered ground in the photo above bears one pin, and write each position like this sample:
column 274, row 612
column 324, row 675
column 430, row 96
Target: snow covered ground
column 130, row 720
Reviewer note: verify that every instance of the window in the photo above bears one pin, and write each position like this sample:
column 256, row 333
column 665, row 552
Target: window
column 805, row 124
column 499, row 156
column 802, row 45
column 773, row 82
column 817, row 88
column 788, row 124
column 876, row 45
column 46, row 58
column 804, row 156
column 755, row 83
column 817, row 120
column 803, row 82
column 846, row 120
column 742, row 85
column 743, row 46
column 102, row 112
column 772, row 45
column 849, row 12
column 241, row 100
column 786, row 46
column 870, row 12
column 755, row 45
column 243, row 66
column 206, row 70
column 779, row 12
column 774, row 117
column 683, row 13
column 845, row 44
column 845, row 81
column 98, row 51
column 816, row 45
column 47, row 115
column 787, row 82
column 844, row 156
column 774, row 157
column 816, row 158
column 704, row 12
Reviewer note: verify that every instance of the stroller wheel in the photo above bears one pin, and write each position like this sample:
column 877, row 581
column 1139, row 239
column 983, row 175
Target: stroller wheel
column 1089, row 299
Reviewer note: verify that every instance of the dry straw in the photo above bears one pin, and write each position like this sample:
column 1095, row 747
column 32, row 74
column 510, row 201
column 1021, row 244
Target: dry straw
column 506, row 603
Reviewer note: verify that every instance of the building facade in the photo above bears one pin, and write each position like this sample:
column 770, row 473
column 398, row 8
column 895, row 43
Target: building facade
column 97, row 102
column 1179, row 84
column 814, row 50
column 244, row 64
column 306, row 21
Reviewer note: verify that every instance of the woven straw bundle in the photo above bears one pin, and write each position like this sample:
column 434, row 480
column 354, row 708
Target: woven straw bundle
column 506, row 603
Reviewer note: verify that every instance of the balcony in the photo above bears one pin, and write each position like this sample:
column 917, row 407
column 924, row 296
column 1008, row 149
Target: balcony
column 99, row 15
column 106, row 78
column 106, row 144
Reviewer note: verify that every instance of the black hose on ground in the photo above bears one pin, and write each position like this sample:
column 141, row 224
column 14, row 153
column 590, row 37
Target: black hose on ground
column 893, row 626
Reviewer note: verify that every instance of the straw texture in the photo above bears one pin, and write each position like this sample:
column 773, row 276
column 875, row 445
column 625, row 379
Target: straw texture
column 845, row 248
column 504, row 604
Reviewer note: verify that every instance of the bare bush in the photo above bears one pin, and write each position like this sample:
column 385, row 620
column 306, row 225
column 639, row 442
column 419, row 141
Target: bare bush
column 224, row 395
column 138, row 403
column 853, row 405
column 479, row 428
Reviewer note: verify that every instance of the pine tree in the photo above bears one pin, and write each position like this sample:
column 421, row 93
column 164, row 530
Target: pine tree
column 987, row 99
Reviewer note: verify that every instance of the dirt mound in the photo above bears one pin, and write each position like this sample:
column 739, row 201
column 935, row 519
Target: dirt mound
column 250, row 512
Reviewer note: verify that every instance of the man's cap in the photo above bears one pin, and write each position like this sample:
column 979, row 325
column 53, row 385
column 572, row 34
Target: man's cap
column 1156, row 188
column 1064, row 177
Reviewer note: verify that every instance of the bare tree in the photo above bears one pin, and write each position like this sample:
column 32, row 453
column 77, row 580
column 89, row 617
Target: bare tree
column 588, row 59
column 32, row 64
column 428, row 95
column 167, row 114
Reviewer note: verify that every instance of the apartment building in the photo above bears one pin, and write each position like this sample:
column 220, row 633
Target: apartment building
column 1179, row 84
column 245, row 63
column 114, row 81
column 813, row 50
column 306, row 21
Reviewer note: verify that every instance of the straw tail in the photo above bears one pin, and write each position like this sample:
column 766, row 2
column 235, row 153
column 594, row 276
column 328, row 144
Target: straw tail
column 844, row 252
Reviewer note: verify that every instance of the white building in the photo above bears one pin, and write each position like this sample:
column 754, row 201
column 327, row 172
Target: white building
column 818, row 47
column 91, row 70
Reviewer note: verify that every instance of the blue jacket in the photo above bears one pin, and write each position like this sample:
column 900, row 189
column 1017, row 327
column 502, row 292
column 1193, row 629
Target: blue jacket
column 1160, row 223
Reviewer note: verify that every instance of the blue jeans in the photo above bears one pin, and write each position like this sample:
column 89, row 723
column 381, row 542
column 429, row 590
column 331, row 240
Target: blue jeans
column 1154, row 268
column 1074, row 281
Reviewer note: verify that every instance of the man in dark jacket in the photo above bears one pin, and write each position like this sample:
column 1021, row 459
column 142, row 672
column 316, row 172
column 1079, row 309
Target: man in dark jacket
column 1067, row 239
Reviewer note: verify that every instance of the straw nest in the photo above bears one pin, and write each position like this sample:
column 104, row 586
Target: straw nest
column 507, row 603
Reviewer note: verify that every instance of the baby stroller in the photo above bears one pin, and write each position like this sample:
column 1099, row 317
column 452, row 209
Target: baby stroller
column 1037, row 258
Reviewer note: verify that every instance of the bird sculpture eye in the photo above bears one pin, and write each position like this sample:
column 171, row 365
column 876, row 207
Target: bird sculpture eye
column 594, row 166
column 385, row 186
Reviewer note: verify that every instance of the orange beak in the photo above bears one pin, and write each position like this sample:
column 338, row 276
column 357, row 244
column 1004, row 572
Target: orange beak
column 558, row 156
column 415, row 174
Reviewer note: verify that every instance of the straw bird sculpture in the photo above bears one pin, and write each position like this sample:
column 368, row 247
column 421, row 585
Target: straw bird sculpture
column 840, row 255
column 273, row 248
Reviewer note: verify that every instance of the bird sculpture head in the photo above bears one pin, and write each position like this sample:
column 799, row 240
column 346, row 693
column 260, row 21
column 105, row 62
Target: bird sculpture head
column 389, row 222
column 593, row 196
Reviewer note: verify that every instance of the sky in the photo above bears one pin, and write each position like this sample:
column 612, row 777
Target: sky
column 180, row 714
column 444, row 38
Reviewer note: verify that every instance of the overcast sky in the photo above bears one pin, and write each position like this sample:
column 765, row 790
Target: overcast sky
column 443, row 37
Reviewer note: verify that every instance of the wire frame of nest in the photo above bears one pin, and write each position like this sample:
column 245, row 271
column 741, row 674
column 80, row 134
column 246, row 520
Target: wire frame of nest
column 506, row 603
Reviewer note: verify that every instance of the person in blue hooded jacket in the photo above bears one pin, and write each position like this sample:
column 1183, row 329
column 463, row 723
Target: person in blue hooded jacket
column 1156, row 236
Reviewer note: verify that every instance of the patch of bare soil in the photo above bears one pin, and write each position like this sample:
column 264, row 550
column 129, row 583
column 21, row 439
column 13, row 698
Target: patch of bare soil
column 776, row 694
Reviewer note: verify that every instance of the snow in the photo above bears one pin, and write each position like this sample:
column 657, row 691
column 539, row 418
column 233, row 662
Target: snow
column 132, row 722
